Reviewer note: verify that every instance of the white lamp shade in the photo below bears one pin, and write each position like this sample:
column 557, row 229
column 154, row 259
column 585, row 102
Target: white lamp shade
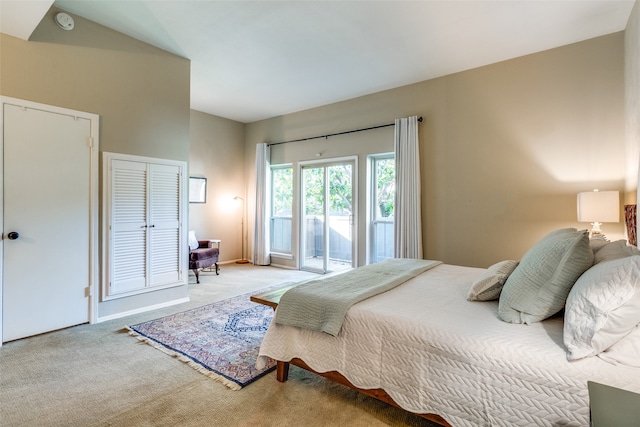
column 599, row 206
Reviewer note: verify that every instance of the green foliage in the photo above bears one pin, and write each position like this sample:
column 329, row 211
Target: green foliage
column 313, row 184
column 282, row 187
column 385, row 186
column 340, row 190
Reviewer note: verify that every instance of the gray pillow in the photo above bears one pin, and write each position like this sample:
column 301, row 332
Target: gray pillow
column 538, row 287
column 614, row 250
column 488, row 285
column 598, row 242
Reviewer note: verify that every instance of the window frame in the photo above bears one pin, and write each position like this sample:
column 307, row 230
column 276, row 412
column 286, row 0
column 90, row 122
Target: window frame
column 280, row 251
column 373, row 218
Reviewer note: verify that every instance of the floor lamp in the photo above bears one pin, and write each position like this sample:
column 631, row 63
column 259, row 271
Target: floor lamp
column 241, row 261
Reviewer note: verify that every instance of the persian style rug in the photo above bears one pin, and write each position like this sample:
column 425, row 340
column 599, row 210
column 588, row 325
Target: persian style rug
column 220, row 340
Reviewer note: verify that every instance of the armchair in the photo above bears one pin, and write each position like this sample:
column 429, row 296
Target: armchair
column 202, row 254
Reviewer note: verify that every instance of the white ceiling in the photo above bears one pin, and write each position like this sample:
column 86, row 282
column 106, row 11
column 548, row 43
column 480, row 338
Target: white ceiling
column 252, row 60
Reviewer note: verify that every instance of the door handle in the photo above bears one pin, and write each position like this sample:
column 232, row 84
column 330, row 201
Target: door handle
column 13, row 235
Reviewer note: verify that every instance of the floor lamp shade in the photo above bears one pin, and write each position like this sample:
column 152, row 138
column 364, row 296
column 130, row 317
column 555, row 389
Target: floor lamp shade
column 597, row 207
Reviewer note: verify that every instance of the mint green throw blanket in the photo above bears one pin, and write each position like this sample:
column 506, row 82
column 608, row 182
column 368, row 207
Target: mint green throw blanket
column 322, row 304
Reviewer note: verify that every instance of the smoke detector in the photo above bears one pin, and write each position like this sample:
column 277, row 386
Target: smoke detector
column 64, row 21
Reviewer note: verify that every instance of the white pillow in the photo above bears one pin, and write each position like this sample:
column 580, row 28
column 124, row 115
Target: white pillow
column 538, row 287
column 489, row 284
column 603, row 307
column 193, row 242
column 624, row 352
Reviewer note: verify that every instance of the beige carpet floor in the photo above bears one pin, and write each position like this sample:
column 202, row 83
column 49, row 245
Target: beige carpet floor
column 98, row 375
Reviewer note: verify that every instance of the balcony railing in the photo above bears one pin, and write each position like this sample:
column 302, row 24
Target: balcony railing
column 339, row 238
column 281, row 234
column 383, row 240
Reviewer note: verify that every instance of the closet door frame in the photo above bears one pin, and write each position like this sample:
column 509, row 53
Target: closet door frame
column 107, row 216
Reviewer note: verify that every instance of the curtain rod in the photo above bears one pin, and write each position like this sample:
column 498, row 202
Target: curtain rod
column 336, row 134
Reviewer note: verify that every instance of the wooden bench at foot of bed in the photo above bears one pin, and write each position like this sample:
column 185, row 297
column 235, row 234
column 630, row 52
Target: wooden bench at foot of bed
column 282, row 373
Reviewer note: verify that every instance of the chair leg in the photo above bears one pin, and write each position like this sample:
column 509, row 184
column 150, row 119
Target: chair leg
column 195, row 270
column 217, row 274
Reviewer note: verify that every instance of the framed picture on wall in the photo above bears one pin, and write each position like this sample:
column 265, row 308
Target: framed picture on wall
column 197, row 189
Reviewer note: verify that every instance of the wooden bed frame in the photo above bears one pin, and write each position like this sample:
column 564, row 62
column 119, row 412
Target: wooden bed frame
column 271, row 299
column 282, row 373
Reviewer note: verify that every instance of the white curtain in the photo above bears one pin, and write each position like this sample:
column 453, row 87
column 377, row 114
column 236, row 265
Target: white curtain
column 261, row 230
column 407, row 215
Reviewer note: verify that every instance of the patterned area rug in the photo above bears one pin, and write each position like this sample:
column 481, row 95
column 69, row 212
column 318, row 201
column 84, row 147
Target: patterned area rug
column 220, row 340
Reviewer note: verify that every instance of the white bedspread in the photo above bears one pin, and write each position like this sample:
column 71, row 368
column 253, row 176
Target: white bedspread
column 435, row 352
column 322, row 304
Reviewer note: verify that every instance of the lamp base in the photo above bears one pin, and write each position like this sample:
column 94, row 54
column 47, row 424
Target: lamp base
column 595, row 229
column 596, row 232
column 242, row 261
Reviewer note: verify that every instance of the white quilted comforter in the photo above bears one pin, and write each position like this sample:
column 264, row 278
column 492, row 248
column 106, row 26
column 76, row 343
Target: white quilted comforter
column 435, row 352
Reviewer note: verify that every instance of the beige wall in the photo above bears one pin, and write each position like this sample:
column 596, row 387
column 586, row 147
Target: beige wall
column 632, row 100
column 140, row 93
column 217, row 153
column 504, row 148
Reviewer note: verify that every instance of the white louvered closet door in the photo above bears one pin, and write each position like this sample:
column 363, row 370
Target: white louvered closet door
column 164, row 224
column 128, row 247
column 145, row 223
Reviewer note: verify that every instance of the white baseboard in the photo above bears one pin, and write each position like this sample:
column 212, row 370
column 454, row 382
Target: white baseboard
column 142, row 310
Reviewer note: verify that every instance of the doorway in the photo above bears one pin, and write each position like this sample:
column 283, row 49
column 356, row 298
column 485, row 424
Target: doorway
column 49, row 217
column 328, row 217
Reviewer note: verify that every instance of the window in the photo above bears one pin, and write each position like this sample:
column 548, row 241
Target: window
column 383, row 191
column 281, row 208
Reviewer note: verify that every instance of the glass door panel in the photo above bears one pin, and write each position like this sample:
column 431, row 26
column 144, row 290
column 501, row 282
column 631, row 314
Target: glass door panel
column 313, row 218
column 328, row 221
column 340, row 218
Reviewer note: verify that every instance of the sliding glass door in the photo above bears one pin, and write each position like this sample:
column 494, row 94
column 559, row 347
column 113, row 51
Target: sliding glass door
column 327, row 216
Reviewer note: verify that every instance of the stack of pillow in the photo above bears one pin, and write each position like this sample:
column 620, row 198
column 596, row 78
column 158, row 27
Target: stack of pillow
column 602, row 314
column 595, row 281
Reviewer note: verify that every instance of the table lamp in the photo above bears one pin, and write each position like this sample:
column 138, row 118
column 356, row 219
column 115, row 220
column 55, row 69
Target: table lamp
column 597, row 207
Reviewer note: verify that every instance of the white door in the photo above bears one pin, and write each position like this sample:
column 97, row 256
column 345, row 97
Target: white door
column 46, row 270
column 164, row 224
column 128, row 226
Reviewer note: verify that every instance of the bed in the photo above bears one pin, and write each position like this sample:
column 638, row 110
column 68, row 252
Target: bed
column 425, row 347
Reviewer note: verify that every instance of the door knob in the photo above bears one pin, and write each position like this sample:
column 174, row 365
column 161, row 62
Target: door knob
column 13, row 235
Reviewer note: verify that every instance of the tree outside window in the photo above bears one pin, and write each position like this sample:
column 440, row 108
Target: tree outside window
column 282, row 190
column 385, row 187
column 383, row 182
column 340, row 190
